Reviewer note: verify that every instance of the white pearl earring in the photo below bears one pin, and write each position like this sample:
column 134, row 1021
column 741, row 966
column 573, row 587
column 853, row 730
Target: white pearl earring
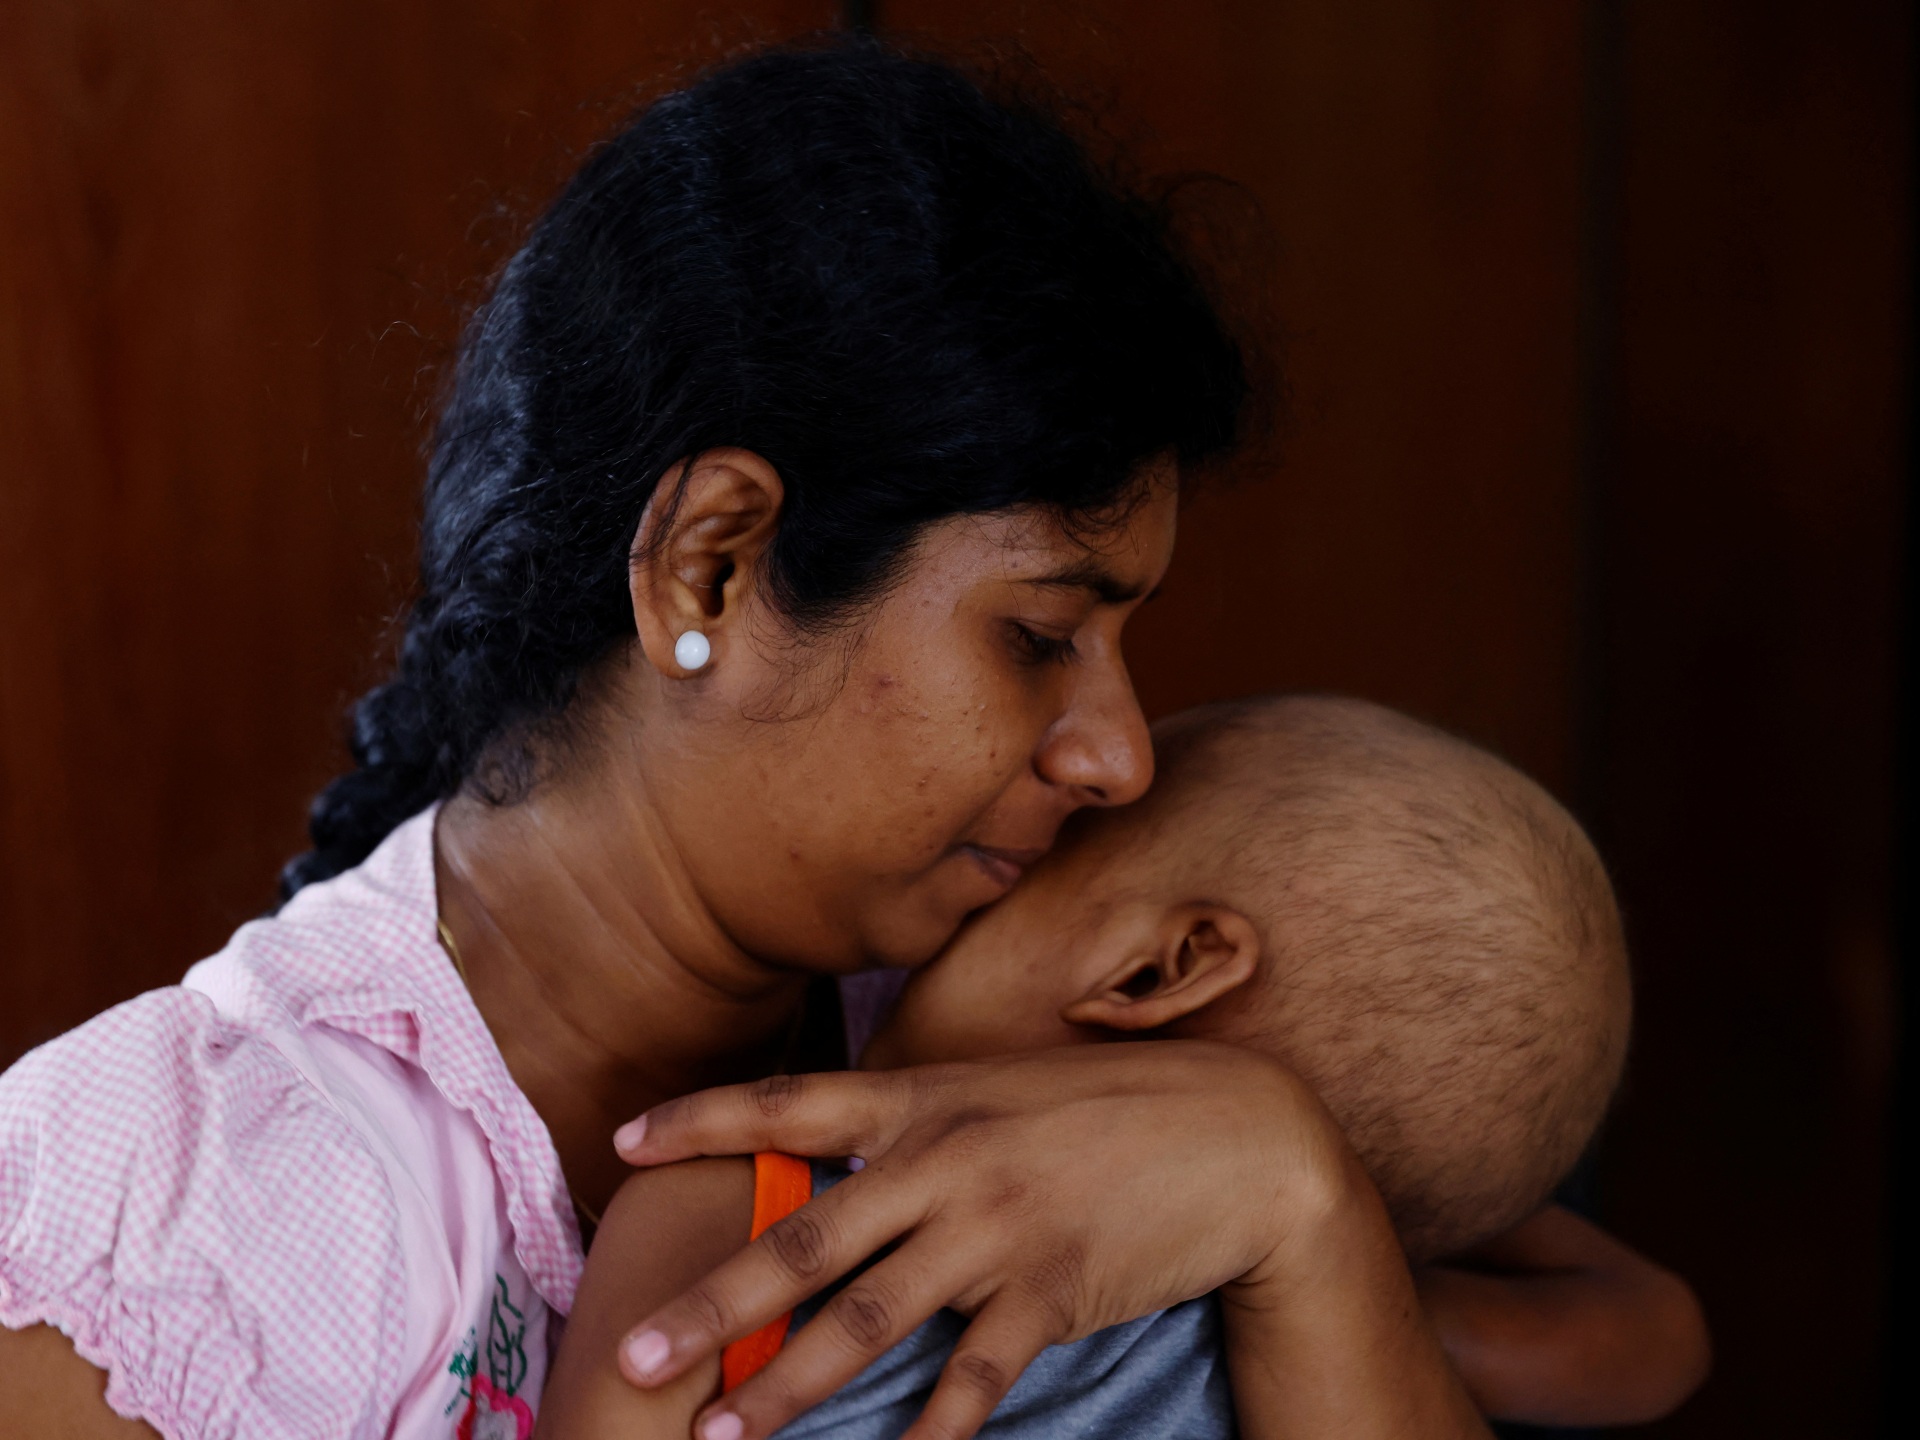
column 692, row 651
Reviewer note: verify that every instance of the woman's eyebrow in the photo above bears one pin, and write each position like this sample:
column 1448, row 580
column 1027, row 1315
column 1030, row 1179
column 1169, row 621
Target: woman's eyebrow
column 1090, row 574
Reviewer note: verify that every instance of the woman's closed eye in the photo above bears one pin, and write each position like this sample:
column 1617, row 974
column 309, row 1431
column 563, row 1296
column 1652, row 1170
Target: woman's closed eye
column 1036, row 647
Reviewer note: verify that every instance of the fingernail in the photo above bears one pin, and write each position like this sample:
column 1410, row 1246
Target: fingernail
column 722, row 1425
column 628, row 1137
column 854, row 1162
column 647, row 1352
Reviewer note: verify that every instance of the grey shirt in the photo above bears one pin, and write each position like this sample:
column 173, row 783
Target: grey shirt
column 1161, row 1377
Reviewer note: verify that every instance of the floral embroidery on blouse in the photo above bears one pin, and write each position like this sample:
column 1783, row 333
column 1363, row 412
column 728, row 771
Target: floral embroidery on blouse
column 494, row 1410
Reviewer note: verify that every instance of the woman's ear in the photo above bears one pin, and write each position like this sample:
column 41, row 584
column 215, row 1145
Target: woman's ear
column 700, row 550
column 1192, row 956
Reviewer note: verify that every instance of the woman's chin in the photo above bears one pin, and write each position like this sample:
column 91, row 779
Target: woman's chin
column 940, row 905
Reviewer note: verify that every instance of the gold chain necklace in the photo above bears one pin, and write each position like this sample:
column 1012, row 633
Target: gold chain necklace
column 452, row 947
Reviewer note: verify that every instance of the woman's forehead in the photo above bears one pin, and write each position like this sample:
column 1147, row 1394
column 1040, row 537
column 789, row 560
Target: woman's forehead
column 1117, row 562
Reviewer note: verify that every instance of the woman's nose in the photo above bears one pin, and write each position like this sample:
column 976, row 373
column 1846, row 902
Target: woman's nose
column 1101, row 747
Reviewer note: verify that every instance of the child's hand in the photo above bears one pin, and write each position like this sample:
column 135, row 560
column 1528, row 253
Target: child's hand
column 1048, row 1195
column 1558, row 1323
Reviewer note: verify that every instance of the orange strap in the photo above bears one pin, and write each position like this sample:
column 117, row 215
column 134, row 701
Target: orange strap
column 781, row 1185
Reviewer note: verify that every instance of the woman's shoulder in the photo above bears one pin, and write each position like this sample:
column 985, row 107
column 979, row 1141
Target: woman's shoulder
column 142, row 1089
column 202, row 1222
column 145, row 1088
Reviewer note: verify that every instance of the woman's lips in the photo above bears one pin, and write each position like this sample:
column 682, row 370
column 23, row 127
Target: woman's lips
column 1004, row 867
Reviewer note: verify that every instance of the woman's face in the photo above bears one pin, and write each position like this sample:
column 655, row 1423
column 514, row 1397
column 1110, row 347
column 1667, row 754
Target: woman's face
column 848, row 801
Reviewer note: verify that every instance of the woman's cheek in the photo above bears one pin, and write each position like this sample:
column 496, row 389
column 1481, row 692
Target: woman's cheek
column 934, row 731
column 947, row 746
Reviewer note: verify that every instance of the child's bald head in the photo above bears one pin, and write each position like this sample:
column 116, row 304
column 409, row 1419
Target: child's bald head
column 1414, row 927
column 1442, row 953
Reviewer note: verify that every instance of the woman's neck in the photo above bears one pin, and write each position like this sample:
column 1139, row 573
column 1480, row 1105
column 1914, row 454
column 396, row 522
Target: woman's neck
column 604, row 981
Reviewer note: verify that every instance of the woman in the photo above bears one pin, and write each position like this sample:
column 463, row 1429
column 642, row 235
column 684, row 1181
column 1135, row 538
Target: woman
column 797, row 482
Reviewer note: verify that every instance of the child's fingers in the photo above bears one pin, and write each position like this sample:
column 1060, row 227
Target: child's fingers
column 841, row 1113
column 993, row 1353
column 873, row 1314
column 794, row 1259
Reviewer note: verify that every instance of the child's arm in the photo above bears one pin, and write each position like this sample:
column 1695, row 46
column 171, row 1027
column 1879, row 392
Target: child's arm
column 664, row 1231
column 53, row 1394
column 1362, row 1357
column 1558, row 1323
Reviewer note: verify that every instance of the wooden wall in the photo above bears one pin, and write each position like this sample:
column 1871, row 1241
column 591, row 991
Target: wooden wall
column 1593, row 322
column 1748, row 529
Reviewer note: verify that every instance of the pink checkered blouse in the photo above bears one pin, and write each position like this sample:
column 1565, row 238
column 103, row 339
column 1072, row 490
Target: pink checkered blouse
column 298, row 1194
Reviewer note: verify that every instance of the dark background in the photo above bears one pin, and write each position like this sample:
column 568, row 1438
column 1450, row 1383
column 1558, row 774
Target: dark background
column 1596, row 326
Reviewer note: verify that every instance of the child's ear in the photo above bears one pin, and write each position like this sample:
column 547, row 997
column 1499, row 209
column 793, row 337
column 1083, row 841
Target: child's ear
column 1189, row 958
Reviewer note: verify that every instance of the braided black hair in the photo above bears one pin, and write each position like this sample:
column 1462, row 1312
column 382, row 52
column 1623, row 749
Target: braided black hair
column 913, row 298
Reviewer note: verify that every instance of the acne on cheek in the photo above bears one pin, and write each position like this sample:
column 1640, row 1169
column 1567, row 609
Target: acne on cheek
column 905, row 722
column 873, row 693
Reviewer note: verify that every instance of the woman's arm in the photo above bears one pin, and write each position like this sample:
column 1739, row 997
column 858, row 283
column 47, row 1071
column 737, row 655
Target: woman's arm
column 1048, row 1196
column 1558, row 1323
column 664, row 1230
column 53, row 1394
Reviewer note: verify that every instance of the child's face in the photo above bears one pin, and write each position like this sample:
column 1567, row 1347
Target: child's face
column 1001, row 983
column 1094, row 941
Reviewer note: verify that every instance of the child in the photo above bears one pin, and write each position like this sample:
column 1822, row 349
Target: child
column 1413, row 927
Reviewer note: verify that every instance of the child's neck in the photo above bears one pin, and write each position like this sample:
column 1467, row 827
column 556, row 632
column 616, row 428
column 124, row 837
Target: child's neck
column 605, row 983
